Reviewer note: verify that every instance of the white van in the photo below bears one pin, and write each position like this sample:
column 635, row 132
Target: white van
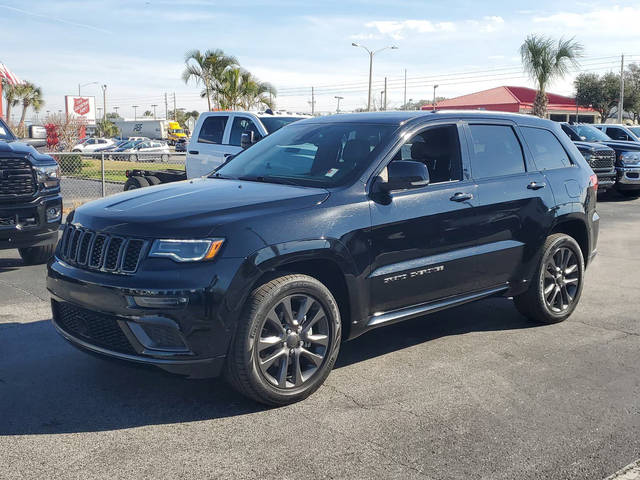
column 217, row 135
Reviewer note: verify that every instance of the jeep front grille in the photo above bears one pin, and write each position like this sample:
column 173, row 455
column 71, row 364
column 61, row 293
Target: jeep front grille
column 99, row 251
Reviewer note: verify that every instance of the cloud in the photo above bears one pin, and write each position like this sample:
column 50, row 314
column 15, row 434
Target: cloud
column 616, row 19
column 58, row 20
column 396, row 29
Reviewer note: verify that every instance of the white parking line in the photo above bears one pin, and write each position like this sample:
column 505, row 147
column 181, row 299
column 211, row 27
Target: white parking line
column 630, row 472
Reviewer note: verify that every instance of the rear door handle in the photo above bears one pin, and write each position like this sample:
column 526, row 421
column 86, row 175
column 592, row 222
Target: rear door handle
column 461, row 197
column 194, row 152
column 536, row 185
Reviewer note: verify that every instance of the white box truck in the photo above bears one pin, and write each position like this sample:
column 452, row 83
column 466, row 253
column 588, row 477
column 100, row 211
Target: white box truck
column 153, row 129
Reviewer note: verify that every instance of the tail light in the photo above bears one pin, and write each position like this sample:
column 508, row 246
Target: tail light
column 126, row 173
column 593, row 181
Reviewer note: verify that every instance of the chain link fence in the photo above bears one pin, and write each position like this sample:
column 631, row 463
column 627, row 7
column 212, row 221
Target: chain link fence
column 88, row 176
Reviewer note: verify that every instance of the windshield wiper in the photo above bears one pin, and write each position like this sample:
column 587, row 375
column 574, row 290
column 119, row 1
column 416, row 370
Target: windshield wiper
column 269, row 179
column 224, row 177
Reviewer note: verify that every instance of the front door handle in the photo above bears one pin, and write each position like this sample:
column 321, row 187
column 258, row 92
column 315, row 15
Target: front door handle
column 536, row 185
column 194, row 152
column 227, row 155
column 461, row 197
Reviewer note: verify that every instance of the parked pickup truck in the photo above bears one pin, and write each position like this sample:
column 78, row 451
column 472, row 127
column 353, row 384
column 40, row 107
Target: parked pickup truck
column 216, row 136
column 30, row 201
column 627, row 155
column 325, row 230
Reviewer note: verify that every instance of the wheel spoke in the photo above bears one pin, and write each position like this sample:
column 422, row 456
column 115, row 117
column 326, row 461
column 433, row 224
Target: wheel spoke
column 549, row 288
column 319, row 315
column 554, row 296
column 304, row 308
column 316, row 359
column 272, row 319
column 570, row 281
column 283, row 371
column 569, row 270
column 287, row 311
column 567, row 295
column 297, row 371
column 270, row 360
column 318, row 339
column 268, row 342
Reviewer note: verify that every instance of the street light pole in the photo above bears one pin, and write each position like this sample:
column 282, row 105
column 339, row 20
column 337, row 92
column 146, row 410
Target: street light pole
column 135, row 113
column 154, row 111
column 338, row 107
column 371, row 54
column 434, row 97
column 381, row 97
column 104, row 102
column 86, row 84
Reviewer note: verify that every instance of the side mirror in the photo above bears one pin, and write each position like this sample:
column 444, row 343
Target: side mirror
column 406, row 174
column 247, row 139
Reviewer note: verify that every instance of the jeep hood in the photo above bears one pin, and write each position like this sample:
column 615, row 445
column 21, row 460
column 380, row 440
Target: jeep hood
column 192, row 208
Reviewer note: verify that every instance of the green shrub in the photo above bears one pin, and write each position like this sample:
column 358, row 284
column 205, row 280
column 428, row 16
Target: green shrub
column 70, row 164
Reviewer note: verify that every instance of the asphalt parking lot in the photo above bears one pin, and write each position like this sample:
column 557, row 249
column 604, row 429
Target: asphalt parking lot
column 474, row 392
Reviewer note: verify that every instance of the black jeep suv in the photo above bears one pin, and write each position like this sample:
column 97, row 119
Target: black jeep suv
column 326, row 229
column 30, row 202
column 627, row 156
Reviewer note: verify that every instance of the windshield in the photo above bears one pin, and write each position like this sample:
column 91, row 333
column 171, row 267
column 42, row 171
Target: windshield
column 276, row 123
column 635, row 131
column 5, row 133
column 590, row 134
column 318, row 155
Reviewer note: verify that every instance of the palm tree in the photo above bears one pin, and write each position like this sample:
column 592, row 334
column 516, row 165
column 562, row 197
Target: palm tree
column 30, row 96
column 230, row 89
column 545, row 61
column 207, row 69
column 11, row 95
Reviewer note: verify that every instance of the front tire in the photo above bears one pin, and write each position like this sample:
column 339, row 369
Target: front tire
column 556, row 287
column 37, row 255
column 287, row 340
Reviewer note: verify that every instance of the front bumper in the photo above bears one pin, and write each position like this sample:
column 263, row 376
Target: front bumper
column 175, row 319
column 628, row 177
column 24, row 224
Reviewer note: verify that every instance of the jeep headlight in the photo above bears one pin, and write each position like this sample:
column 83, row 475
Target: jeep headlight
column 630, row 158
column 187, row 250
column 48, row 175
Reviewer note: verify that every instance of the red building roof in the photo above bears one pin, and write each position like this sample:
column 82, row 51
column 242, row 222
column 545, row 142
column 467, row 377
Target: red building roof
column 506, row 99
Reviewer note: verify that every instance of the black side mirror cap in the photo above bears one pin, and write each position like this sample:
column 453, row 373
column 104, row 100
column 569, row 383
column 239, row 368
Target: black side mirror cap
column 406, row 174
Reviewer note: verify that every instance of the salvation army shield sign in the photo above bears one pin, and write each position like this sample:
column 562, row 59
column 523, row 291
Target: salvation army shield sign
column 81, row 105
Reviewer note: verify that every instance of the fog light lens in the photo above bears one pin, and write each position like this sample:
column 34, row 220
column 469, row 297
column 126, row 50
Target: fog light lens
column 158, row 302
column 54, row 213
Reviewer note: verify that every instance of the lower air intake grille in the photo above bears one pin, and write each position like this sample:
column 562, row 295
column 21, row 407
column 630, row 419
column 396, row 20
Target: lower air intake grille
column 92, row 327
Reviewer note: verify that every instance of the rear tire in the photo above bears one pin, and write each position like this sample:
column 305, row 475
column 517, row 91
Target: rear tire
column 556, row 286
column 37, row 255
column 153, row 180
column 135, row 182
column 276, row 357
column 164, row 158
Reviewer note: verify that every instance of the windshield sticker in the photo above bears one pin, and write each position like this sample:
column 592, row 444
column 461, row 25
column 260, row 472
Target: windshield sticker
column 331, row 172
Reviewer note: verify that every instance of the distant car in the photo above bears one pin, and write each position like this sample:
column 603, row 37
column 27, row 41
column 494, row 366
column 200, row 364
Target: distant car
column 112, row 147
column 147, row 151
column 619, row 132
column 635, row 129
column 90, row 145
column 181, row 146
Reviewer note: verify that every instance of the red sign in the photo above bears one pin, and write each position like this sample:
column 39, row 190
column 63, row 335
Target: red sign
column 81, row 105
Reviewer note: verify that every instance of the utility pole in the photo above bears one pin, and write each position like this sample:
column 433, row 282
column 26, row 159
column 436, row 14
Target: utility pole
column 434, row 97
column 385, row 93
column 338, row 107
column 405, row 90
column 116, row 109
column 166, row 107
column 175, row 112
column 104, row 102
column 381, row 94
column 621, row 102
column 135, row 113
column 154, row 111
column 313, row 102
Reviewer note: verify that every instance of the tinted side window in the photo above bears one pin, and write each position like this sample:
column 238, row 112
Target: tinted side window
column 547, row 151
column 617, row 133
column 212, row 129
column 495, row 151
column 439, row 149
column 241, row 124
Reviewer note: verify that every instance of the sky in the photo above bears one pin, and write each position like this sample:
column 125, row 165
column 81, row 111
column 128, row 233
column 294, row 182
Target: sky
column 137, row 47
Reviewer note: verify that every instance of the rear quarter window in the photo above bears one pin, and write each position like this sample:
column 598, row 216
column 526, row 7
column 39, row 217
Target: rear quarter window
column 548, row 152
